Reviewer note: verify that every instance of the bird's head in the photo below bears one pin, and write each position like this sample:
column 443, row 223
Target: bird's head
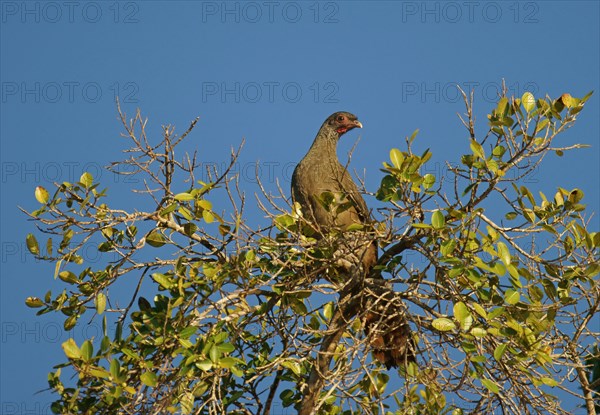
column 342, row 122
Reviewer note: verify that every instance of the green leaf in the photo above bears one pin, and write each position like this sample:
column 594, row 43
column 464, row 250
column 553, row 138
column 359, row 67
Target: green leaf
column 226, row 347
column 443, row 324
column 498, row 151
column 183, row 197
column 463, row 316
column 549, row 381
column 528, row 101
column 185, row 213
column 33, row 302
column 115, row 368
column 541, row 125
column 100, row 303
column 188, row 332
column 504, row 253
column 414, row 134
column 214, row 354
column 155, row 239
column 71, row 350
column 502, row 106
column 49, row 246
column 428, row 181
column 437, row 220
column 70, row 322
column 512, row 297
column 477, row 149
column 165, row 211
column 190, row 228
column 447, row 247
column 396, row 157
column 86, row 179
column 87, row 350
column 421, row 226
column 204, row 365
column 298, row 306
column 163, row 280
column 227, row 362
column 478, row 359
column 32, row 244
column 207, row 216
column 480, row 310
column 492, row 386
column 41, row 195
column 149, row 379
column 68, row 277
column 293, row 365
column 328, row 311
column 499, row 351
column 478, row 332
column 204, row 204
column 426, row 156
column 575, row 196
column 187, row 402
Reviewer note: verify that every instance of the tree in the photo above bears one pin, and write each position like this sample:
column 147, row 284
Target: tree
column 500, row 287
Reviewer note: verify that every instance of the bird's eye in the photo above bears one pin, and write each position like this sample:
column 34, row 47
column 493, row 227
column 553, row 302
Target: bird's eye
column 341, row 118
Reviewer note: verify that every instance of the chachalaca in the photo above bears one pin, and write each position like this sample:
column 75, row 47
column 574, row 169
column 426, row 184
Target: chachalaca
column 320, row 173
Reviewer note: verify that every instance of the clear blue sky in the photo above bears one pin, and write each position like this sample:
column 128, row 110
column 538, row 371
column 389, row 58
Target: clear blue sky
column 269, row 73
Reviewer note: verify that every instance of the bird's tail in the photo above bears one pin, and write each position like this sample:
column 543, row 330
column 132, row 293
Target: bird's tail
column 387, row 329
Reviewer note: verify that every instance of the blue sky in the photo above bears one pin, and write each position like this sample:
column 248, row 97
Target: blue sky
column 269, row 73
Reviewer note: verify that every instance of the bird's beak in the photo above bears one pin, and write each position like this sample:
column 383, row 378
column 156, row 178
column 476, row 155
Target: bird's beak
column 358, row 124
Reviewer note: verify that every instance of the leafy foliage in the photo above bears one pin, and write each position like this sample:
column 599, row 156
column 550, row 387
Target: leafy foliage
column 499, row 305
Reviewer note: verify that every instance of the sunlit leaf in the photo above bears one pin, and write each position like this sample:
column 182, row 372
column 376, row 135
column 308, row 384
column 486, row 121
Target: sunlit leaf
column 528, row 101
column 41, row 195
column 477, row 149
column 414, row 134
column 163, row 280
column 396, row 157
column 204, row 204
column 491, row 386
column 549, row 381
column 504, row 253
column 149, row 379
column 183, row 197
column 115, row 368
column 463, row 316
column 512, row 297
column 443, row 324
column 32, row 244
column 437, row 220
column 100, row 303
column 499, row 351
column 208, row 216
column 68, row 277
column 86, row 179
column 33, row 302
column 87, row 349
column 155, row 239
column 71, row 350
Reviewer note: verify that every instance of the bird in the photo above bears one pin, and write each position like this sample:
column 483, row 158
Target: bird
column 320, row 178
column 320, row 172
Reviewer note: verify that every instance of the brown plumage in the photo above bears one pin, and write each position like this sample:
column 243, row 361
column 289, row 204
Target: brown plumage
column 320, row 171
